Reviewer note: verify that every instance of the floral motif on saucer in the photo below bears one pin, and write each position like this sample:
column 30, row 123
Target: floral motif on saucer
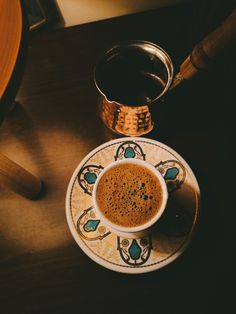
column 171, row 234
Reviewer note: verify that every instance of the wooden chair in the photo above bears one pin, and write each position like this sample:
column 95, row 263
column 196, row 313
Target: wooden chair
column 13, row 46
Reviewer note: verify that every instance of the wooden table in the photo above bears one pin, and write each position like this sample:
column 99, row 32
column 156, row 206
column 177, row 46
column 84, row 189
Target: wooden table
column 42, row 270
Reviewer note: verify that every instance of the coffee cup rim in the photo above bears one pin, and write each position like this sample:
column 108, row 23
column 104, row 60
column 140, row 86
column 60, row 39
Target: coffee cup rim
column 121, row 229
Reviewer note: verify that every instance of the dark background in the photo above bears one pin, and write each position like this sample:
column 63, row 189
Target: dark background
column 196, row 119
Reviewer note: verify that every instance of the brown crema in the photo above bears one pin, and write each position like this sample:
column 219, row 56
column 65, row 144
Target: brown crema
column 129, row 195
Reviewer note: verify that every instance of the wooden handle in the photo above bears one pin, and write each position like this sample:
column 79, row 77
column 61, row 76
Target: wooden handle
column 210, row 48
column 18, row 179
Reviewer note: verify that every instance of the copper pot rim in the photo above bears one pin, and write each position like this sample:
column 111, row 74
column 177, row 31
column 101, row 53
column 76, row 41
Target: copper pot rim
column 163, row 56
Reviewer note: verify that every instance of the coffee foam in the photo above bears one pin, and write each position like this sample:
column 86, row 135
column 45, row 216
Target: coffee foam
column 129, row 195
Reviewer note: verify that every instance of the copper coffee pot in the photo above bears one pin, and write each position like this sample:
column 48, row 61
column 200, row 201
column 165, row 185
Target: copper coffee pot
column 134, row 75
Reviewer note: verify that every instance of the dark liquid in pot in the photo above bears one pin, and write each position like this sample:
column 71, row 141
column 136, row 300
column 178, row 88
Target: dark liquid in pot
column 133, row 88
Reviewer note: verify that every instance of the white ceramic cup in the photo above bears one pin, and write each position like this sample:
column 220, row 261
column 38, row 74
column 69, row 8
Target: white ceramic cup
column 140, row 230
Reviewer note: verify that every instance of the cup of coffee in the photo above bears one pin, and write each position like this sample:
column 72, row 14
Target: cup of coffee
column 130, row 196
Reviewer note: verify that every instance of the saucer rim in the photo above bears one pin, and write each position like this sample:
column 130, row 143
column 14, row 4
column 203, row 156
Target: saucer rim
column 121, row 268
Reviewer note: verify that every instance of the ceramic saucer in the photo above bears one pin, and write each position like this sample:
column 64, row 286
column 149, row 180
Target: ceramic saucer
column 173, row 231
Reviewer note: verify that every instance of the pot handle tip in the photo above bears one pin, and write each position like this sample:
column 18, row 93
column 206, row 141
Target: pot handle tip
column 210, row 48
